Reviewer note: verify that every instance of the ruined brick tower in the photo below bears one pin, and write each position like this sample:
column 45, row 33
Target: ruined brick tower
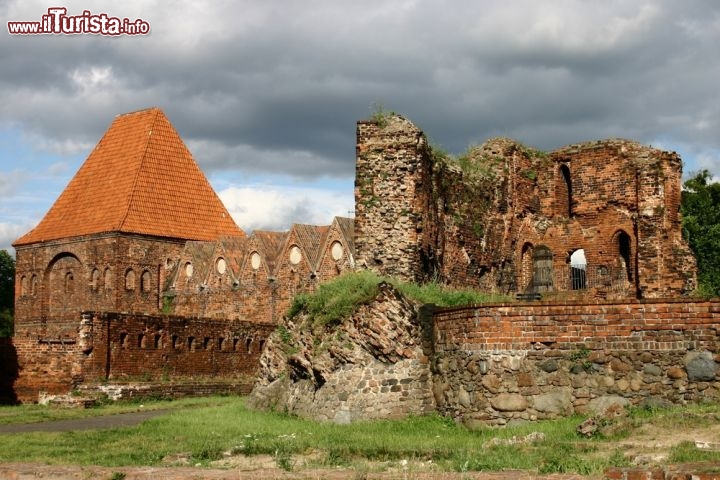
column 600, row 217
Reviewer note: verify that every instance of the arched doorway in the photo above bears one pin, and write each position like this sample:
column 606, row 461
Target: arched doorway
column 578, row 270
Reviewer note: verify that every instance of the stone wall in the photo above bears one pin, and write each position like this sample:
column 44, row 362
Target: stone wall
column 498, row 363
column 372, row 365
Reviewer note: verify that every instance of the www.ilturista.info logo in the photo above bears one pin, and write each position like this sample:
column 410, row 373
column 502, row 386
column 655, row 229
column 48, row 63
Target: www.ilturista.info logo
column 58, row 22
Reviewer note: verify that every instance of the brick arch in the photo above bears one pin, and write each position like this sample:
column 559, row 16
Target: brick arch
column 57, row 302
column 624, row 249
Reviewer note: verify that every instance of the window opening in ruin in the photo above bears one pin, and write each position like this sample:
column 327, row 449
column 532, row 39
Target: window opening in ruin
column 261, row 344
column 175, row 341
column 69, row 287
column 624, row 252
column 123, row 339
column 542, row 277
column 23, row 286
column 108, row 279
column 206, row 343
column 248, row 345
column 33, row 285
column 191, row 343
column 145, row 281
column 157, row 341
column 236, row 342
column 95, row 280
column 563, row 192
column 578, row 270
column 189, row 270
column 141, row 340
column 220, row 343
column 130, row 280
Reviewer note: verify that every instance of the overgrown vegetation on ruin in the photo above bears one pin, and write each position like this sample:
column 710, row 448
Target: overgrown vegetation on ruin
column 220, row 427
column 336, row 299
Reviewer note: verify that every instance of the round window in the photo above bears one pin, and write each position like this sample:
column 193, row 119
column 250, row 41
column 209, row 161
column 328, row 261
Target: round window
column 336, row 250
column 295, row 255
column 221, row 265
column 255, row 260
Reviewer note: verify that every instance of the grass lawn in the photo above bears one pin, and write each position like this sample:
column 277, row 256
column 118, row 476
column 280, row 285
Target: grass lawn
column 205, row 429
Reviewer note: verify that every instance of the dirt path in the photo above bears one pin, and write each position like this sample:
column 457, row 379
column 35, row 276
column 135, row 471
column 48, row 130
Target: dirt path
column 26, row 471
column 88, row 423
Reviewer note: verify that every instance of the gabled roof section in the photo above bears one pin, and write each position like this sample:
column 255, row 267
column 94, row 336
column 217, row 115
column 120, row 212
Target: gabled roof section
column 270, row 245
column 347, row 227
column 310, row 238
column 140, row 178
column 234, row 250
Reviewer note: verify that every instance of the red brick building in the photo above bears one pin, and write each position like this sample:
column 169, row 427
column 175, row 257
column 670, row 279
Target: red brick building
column 139, row 270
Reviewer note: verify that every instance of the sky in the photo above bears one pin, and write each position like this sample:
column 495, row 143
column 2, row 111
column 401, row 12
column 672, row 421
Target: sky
column 266, row 94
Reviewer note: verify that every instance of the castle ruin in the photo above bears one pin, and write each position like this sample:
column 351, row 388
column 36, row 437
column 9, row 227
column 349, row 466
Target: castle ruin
column 138, row 270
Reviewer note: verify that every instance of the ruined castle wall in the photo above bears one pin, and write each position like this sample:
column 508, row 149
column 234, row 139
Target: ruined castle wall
column 495, row 217
column 392, row 198
column 498, row 363
column 133, row 346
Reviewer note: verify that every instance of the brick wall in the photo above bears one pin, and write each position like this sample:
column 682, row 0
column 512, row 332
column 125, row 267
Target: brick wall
column 120, row 346
column 506, row 218
column 497, row 363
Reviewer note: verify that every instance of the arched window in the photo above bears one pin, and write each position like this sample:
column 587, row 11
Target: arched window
column 95, row 280
column 141, row 340
column 33, row 285
column 69, row 283
column 563, row 191
column 578, row 270
column 123, row 340
column 157, row 341
column 130, row 280
column 191, row 343
column 526, row 266
column 248, row 345
column 145, row 281
column 23, row 286
column 108, row 279
column 624, row 258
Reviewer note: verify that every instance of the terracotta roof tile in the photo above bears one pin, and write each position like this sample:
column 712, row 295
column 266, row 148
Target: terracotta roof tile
column 140, row 178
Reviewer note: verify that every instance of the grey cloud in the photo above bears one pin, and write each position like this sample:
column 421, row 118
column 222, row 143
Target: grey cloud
column 278, row 87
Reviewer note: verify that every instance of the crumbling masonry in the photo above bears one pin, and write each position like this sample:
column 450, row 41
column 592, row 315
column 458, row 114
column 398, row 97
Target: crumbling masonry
column 138, row 270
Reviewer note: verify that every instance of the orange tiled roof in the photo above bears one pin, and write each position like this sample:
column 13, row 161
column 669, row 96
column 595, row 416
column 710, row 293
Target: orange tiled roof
column 140, row 178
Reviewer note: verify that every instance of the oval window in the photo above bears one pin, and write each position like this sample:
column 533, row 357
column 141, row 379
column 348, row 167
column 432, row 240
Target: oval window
column 255, row 260
column 336, row 250
column 221, row 266
column 295, row 255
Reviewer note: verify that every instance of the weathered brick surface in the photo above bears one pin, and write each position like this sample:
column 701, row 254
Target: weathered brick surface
column 117, row 346
column 485, row 224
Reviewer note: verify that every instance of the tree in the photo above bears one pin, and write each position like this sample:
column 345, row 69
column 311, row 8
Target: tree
column 7, row 293
column 700, row 208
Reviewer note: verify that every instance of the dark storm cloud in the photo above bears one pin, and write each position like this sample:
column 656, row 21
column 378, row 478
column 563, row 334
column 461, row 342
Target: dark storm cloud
column 278, row 86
